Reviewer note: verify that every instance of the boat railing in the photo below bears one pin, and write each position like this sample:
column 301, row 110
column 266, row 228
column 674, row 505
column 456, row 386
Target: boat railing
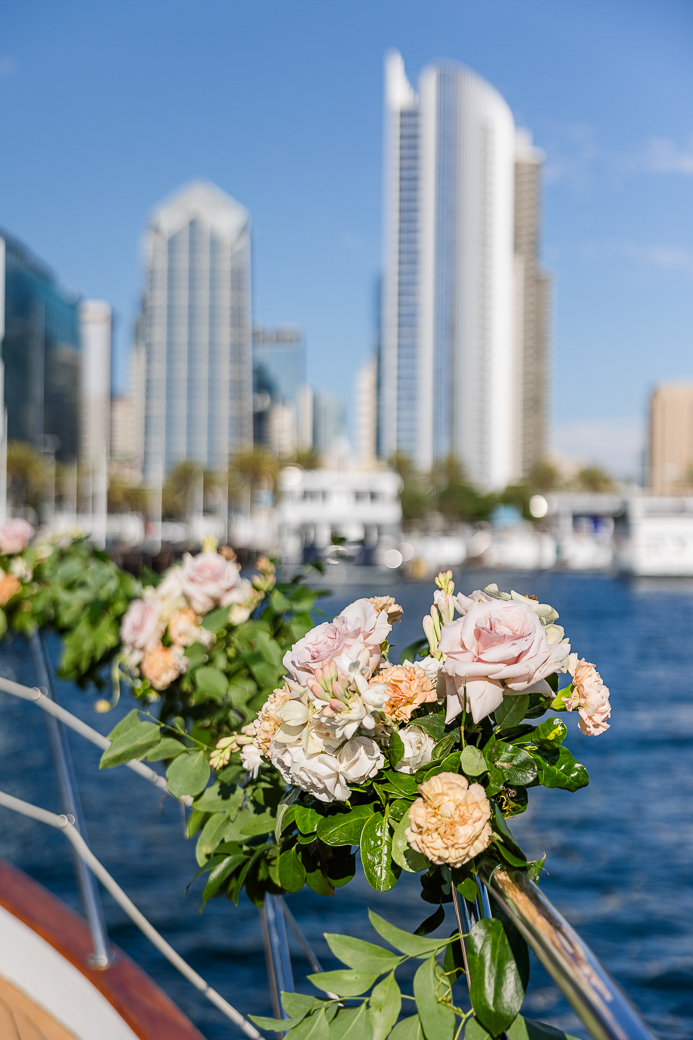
column 596, row 998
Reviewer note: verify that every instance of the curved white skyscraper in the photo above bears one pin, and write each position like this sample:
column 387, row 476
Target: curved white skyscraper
column 451, row 371
column 197, row 330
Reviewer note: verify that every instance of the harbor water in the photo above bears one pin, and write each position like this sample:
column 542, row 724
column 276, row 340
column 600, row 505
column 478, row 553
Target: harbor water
column 619, row 852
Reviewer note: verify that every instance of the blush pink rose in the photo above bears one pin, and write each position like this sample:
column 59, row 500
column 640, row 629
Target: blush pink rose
column 362, row 623
column 497, row 647
column 206, row 579
column 141, row 626
column 318, row 648
column 15, row 535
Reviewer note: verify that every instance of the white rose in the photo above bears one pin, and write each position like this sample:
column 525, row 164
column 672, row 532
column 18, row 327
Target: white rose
column 319, row 775
column 418, row 749
column 359, row 759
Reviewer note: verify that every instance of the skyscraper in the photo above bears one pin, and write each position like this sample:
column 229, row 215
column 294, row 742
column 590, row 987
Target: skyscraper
column 197, row 331
column 670, row 454
column 452, row 349
column 41, row 353
column 95, row 326
column 279, row 371
column 532, row 308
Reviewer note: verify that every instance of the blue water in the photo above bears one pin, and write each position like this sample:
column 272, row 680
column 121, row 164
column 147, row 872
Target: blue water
column 619, row 852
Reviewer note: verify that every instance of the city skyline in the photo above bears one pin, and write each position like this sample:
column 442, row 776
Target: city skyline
column 607, row 89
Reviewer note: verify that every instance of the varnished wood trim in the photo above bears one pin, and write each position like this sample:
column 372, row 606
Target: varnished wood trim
column 137, row 999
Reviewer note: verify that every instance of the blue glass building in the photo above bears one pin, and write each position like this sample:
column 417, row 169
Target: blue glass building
column 41, row 353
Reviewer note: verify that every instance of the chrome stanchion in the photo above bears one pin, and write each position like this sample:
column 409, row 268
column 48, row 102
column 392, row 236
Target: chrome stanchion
column 71, row 805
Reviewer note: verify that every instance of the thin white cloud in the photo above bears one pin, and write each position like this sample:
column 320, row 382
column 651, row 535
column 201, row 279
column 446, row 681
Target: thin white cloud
column 8, row 67
column 615, row 444
column 665, row 257
column 663, row 155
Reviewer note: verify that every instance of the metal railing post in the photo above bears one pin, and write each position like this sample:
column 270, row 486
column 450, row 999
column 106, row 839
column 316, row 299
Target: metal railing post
column 594, row 995
column 72, row 806
column 277, row 952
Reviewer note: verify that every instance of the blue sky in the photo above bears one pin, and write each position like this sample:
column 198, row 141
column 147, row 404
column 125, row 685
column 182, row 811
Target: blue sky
column 107, row 107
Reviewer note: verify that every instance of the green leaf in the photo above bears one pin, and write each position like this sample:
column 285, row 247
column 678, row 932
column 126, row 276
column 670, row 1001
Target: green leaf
column 356, row 953
column 506, row 835
column 451, row 764
column 385, row 1006
column 437, row 1018
column 219, row 874
column 474, row 1030
column 495, row 987
column 211, row 684
column 405, row 942
column 132, row 743
column 550, row 731
column 414, row 650
column 467, row 888
column 219, row 797
column 396, row 749
column 376, row 853
column 216, row 619
column 472, row 761
column 188, row 774
column 210, row 836
column 408, row 1029
column 404, row 782
column 433, row 724
column 402, row 852
column 516, row 765
column 558, row 768
column 443, row 747
column 297, row 1005
column 344, row 828
column 307, row 819
column 291, row 872
column 344, row 983
column 511, row 711
column 528, row 1029
column 432, row 922
column 351, row 1024
column 168, row 747
column 275, row 1025
column 314, row 1027
column 3, row 623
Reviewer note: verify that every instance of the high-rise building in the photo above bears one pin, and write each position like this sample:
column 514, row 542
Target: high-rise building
column 96, row 333
column 41, row 353
column 279, row 372
column 329, row 424
column 532, row 309
column 128, row 412
column 452, row 346
column 365, row 412
column 670, row 454
column 197, row 331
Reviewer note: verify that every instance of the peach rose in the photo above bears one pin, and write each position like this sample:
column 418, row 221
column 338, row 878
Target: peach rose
column 15, row 535
column 206, row 580
column 161, row 666
column 9, row 587
column 449, row 823
column 408, row 688
column 184, row 629
column 496, row 647
column 389, row 605
column 590, row 696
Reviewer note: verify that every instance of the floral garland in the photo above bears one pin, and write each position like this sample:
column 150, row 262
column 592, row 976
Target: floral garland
column 318, row 746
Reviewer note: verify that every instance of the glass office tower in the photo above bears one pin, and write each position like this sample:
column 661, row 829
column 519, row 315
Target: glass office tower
column 41, row 354
column 197, row 329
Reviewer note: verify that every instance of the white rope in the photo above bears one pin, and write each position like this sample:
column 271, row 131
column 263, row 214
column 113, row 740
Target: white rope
column 36, row 696
column 66, row 825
